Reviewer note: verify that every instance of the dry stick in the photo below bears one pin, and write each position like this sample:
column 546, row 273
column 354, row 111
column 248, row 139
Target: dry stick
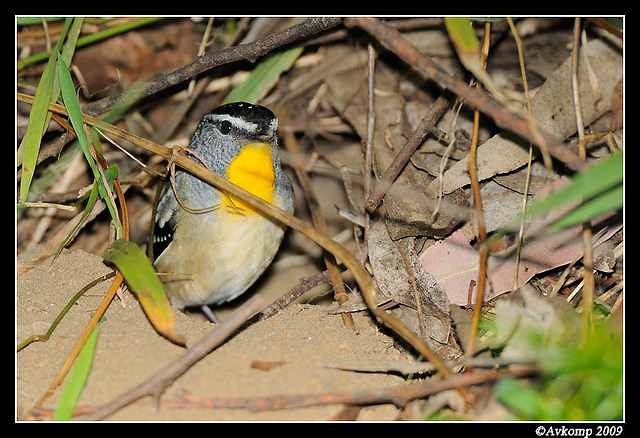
column 251, row 51
column 587, row 241
column 477, row 200
column 304, row 285
column 426, row 126
column 156, row 384
column 368, row 151
column 339, row 291
column 527, row 182
column 504, row 118
column 483, row 249
column 399, row 395
column 360, row 274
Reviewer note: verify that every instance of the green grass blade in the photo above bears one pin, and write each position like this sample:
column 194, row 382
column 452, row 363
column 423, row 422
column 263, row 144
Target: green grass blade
column 116, row 30
column 68, row 49
column 611, row 200
column 595, row 180
column 598, row 188
column 75, row 115
column 77, row 379
column 73, row 108
column 38, row 117
column 144, row 282
column 264, row 77
column 26, row 21
column 39, row 109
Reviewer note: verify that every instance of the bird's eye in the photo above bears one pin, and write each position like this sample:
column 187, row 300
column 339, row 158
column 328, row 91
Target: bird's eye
column 225, row 127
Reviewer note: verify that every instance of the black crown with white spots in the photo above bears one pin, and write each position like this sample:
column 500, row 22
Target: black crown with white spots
column 256, row 114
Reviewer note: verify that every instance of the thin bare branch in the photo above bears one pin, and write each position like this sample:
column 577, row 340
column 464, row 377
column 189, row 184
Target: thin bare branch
column 251, row 52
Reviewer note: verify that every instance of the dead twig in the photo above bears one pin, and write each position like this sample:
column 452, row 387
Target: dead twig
column 587, row 240
column 368, row 150
column 477, row 201
column 156, row 384
column 426, row 126
column 399, row 395
column 304, row 285
column 251, row 52
column 527, row 182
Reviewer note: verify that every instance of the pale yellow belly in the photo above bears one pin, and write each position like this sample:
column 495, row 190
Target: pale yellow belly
column 227, row 259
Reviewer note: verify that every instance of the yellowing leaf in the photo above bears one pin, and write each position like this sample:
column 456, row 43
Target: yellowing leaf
column 465, row 42
column 462, row 34
column 143, row 281
column 468, row 49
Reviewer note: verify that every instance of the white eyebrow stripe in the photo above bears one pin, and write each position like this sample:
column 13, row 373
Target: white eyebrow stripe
column 238, row 122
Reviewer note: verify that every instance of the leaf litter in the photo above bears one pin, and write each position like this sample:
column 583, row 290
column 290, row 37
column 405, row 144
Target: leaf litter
column 325, row 94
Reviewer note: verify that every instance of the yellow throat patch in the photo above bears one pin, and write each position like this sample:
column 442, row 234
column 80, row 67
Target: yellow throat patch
column 252, row 170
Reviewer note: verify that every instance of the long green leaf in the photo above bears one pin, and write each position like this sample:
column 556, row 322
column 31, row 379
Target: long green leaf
column 598, row 188
column 144, row 282
column 38, row 117
column 73, row 109
column 595, row 180
column 26, row 21
column 72, row 105
column 610, row 200
column 68, row 49
column 77, row 379
column 264, row 77
column 41, row 113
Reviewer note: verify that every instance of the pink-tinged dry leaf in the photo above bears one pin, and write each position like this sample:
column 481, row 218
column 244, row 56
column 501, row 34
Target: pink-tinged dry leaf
column 454, row 263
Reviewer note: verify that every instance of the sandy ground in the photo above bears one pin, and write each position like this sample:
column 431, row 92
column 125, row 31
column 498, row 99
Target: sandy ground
column 299, row 340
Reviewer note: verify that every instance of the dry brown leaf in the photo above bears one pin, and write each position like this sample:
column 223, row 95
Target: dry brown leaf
column 393, row 279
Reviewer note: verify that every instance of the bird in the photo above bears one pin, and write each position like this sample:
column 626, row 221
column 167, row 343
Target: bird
column 209, row 246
